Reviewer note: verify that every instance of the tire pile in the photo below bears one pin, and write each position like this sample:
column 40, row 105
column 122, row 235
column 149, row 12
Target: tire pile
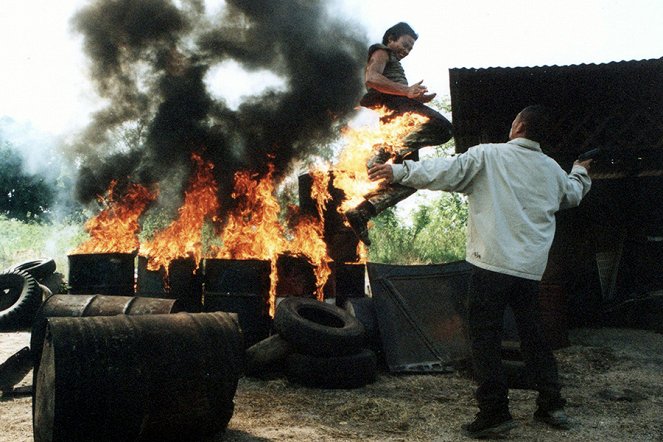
column 22, row 289
column 317, row 345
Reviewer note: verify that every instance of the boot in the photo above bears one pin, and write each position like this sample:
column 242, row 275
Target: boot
column 555, row 418
column 358, row 218
column 489, row 425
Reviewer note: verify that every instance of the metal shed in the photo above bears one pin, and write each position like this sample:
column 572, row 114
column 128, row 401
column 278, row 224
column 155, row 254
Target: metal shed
column 611, row 247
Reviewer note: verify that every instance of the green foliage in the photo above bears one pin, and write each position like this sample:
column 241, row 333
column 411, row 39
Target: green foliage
column 435, row 233
column 23, row 241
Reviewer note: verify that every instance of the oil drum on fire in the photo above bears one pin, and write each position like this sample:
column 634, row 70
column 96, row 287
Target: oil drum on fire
column 138, row 377
column 242, row 287
column 182, row 281
column 102, row 273
column 92, row 305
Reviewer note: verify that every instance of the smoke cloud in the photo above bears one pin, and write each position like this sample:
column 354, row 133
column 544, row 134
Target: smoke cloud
column 149, row 60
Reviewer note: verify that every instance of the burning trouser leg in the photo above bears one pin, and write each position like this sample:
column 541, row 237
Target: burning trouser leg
column 435, row 131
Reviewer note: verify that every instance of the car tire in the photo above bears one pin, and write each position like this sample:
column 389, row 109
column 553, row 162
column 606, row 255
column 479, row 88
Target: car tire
column 37, row 268
column 349, row 371
column 20, row 298
column 317, row 328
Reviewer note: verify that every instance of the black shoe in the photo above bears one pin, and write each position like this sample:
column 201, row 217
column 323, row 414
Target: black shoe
column 489, row 425
column 554, row 418
column 358, row 221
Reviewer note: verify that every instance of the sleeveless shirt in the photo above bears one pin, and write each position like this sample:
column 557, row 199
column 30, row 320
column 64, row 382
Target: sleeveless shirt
column 393, row 70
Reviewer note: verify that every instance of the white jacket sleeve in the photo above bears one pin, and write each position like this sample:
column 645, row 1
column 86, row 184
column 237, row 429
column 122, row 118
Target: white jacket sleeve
column 578, row 184
column 448, row 174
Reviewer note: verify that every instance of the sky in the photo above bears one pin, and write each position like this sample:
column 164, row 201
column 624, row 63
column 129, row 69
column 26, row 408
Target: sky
column 44, row 80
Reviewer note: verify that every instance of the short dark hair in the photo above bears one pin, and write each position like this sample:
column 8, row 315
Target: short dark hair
column 537, row 119
column 397, row 30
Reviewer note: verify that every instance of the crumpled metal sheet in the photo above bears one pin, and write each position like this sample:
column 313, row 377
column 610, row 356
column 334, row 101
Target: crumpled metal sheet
column 422, row 315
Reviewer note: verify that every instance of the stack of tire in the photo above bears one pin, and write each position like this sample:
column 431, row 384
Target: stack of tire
column 317, row 345
column 22, row 291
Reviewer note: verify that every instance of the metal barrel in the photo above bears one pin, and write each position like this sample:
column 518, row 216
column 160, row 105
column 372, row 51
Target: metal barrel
column 183, row 281
column 92, row 305
column 103, row 273
column 242, row 287
column 141, row 377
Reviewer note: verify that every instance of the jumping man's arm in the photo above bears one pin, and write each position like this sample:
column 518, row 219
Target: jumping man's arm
column 375, row 79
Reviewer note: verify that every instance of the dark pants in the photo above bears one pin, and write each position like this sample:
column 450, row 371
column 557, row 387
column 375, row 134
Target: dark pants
column 437, row 130
column 490, row 293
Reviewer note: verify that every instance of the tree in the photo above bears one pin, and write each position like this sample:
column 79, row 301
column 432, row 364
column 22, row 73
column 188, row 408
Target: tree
column 22, row 196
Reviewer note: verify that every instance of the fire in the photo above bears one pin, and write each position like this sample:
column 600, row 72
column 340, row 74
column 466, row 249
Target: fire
column 183, row 237
column 253, row 230
column 309, row 241
column 320, row 191
column 364, row 142
column 115, row 228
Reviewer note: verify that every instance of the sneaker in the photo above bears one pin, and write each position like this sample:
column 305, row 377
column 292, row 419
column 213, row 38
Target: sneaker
column 489, row 425
column 555, row 418
column 358, row 221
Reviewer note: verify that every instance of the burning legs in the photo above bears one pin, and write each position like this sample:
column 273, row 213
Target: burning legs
column 435, row 130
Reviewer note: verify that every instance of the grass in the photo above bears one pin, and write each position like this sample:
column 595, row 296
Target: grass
column 20, row 242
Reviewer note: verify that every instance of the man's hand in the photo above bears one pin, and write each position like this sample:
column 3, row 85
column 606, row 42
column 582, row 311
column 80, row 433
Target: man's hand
column 584, row 163
column 425, row 98
column 417, row 90
column 381, row 172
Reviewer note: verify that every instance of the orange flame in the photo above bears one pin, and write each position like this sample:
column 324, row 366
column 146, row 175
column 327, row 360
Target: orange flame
column 320, row 190
column 183, row 237
column 253, row 230
column 364, row 142
column 115, row 229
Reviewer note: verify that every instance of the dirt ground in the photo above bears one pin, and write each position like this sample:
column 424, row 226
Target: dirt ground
column 612, row 379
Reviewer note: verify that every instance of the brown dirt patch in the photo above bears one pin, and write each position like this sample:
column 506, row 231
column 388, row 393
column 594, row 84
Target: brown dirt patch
column 611, row 377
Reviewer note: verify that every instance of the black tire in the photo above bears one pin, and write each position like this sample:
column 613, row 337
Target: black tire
column 20, row 297
column 350, row 371
column 267, row 355
column 317, row 328
column 37, row 268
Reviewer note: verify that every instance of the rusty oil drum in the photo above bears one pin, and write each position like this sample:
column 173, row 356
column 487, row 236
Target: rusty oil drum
column 93, row 305
column 102, row 273
column 138, row 377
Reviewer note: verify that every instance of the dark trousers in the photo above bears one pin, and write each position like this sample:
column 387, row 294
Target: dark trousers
column 490, row 293
column 437, row 130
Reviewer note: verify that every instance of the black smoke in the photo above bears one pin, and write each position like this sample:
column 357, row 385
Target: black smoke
column 149, row 59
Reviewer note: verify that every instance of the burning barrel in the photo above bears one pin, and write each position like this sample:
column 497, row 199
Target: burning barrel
column 145, row 377
column 182, row 282
column 242, row 287
column 341, row 241
column 102, row 273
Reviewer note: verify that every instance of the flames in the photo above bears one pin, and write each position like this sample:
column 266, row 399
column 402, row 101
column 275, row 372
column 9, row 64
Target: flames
column 183, row 237
column 115, row 229
column 361, row 145
column 253, row 228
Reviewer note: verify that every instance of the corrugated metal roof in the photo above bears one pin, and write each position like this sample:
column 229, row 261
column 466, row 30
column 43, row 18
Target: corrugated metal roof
column 581, row 65
column 617, row 104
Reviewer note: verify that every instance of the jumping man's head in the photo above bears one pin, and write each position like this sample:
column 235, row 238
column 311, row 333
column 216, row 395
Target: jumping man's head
column 400, row 39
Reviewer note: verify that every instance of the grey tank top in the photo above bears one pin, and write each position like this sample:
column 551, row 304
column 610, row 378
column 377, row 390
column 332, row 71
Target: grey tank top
column 393, row 70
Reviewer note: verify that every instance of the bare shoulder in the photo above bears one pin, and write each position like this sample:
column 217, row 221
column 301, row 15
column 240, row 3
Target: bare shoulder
column 380, row 54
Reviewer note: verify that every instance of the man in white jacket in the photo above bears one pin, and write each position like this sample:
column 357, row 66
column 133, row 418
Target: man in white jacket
column 513, row 190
